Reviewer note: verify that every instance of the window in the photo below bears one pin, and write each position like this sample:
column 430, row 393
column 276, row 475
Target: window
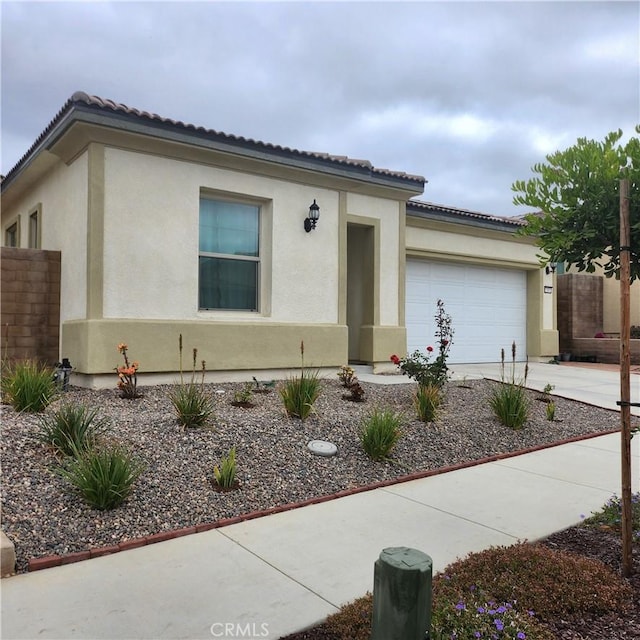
column 34, row 240
column 11, row 235
column 229, row 255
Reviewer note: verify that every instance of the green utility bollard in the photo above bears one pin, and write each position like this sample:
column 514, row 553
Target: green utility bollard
column 402, row 595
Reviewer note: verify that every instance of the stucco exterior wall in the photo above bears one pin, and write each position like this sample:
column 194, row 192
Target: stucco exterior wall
column 61, row 196
column 151, row 241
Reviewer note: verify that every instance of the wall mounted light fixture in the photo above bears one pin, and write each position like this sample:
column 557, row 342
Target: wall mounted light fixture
column 551, row 268
column 311, row 220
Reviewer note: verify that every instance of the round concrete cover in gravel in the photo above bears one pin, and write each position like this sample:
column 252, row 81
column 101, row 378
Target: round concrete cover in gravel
column 322, row 448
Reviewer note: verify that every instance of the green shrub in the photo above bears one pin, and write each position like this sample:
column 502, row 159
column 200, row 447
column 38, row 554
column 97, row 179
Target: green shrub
column 244, row 395
column 192, row 404
column 28, row 385
column 549, row 582
column 521, row 586
column 225, row 474
column 300, row 393
column 472, row 615
column 611, row 514
column 72, row 428
column 427, row 401
column 103, row 477
column 353, row 621
column 379, row 433
column 509, row 399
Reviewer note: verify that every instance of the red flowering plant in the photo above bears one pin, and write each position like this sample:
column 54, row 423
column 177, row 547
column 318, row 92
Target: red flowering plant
column 419, row 367
column 127, row 375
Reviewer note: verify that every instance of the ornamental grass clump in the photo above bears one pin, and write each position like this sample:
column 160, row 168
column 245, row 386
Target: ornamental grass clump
column 427, row 401
column 379, row 433
column 299, row 394
column 509, row 399
column 27, row 385
column 225, row 473
column 71, row 429
column 191, row 402
column 102, row 476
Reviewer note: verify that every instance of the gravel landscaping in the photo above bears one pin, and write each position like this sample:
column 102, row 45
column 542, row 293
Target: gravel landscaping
column 274, row 466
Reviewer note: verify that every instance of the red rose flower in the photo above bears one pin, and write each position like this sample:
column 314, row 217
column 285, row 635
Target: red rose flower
column 445, row 343
column 429, row 349
column 394, row 358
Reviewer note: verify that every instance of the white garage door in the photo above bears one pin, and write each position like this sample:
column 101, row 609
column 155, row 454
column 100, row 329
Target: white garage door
column 488, row 307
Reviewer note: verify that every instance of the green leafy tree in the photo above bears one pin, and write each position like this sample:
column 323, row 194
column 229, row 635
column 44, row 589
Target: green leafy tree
column 577, row 195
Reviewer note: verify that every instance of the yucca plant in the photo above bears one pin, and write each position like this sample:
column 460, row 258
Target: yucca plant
column 379, row 433
column 72, row 428
column 225, row 474
column 300, row 393
column 192, row 403
column 103, row 476
column 427, row 402
column 509, row 399
column 28, row 385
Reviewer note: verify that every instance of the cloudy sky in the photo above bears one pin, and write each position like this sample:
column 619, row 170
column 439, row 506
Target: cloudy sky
column 467, row 94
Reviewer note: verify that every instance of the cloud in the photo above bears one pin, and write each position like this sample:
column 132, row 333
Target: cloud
column 468, row 94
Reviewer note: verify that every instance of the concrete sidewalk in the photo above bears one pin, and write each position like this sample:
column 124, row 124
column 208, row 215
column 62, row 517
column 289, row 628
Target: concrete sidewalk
column 271, row 576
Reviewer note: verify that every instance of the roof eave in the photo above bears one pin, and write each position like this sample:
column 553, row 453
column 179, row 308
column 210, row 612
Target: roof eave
column 78, row 111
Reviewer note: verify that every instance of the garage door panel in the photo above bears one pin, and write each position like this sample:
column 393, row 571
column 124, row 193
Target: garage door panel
column 487, row 306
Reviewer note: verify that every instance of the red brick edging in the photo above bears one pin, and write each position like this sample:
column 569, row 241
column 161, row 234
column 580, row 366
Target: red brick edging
column 35, row 564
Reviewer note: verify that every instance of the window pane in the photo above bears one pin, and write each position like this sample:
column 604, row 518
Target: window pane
column 228, row 284
column 11, row 236
column 229, row 227
column 33, row 231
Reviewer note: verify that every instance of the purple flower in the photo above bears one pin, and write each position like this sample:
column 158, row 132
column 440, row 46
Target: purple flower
column 521, row 636
column 499, row 624
column 481, row 609
column 460, row 606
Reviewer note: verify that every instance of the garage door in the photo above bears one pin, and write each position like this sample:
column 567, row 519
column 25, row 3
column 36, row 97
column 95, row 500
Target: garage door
column 488, row 307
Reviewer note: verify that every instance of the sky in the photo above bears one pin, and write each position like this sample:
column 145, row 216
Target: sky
column 469, row 95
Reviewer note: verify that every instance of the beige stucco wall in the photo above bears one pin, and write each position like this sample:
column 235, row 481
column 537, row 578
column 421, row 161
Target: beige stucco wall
column 151, row 247
column 61, row 195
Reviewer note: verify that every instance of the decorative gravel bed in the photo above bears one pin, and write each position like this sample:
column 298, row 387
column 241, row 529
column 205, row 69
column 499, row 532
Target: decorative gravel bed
column 274, row 466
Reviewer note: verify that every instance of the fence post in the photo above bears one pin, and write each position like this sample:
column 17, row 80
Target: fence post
column 402, row 595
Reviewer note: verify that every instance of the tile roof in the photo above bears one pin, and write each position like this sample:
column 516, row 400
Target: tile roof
column 82, row 100
column 429, row 210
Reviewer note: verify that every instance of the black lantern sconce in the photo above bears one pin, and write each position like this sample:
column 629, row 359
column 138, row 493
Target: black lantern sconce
column 311, row 220
column 550, row 268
